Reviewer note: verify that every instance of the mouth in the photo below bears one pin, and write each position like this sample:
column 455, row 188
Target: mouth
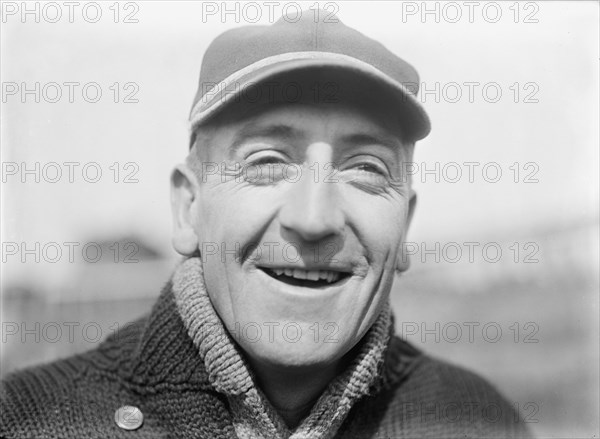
column 307, row 278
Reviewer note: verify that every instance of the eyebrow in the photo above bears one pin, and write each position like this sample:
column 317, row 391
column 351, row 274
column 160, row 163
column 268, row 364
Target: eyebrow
column 358, row 139
column 287, row 133
column 282, row 132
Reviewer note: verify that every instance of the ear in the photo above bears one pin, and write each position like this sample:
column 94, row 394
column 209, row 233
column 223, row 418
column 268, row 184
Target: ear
column 403, row 261
column 184, row 189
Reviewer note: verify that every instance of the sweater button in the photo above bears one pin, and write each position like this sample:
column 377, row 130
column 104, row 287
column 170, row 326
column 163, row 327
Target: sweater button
column 129, row 417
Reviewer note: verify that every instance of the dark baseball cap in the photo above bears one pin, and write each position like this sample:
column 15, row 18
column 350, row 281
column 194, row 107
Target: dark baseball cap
column 251, row 55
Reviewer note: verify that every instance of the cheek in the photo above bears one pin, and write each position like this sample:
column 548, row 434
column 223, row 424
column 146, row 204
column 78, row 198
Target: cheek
column 230, row 212
column 380, row 224
column 232, row 221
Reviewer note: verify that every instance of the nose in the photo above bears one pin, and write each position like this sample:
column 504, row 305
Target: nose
column 312, row 206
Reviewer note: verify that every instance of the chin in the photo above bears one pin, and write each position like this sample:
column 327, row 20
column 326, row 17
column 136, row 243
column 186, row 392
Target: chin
column 284, row 354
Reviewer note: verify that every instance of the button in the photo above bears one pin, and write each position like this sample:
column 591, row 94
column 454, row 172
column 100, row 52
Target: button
column 129, row 417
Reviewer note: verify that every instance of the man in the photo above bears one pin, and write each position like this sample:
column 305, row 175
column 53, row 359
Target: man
column 291, row 212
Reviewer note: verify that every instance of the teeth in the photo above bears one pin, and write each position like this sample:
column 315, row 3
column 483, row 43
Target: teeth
column 312, row 275
column 300, row 274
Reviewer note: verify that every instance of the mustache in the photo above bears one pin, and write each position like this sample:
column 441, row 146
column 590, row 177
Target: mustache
column 335, row 254
column 286, row 252
column 324, row 255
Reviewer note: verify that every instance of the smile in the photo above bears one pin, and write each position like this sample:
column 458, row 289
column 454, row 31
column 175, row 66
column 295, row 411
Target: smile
column 306, row 278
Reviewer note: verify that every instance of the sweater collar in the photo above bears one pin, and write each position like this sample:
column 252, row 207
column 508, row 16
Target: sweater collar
column 229, row 373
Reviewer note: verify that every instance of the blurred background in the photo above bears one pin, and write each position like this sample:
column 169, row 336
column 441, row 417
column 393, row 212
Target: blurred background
column 97, row 205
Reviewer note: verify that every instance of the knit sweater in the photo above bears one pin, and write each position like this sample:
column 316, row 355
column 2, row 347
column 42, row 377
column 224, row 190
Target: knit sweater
column 195, row 383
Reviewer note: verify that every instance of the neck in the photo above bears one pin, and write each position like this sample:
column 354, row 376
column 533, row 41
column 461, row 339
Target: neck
column 293, row 390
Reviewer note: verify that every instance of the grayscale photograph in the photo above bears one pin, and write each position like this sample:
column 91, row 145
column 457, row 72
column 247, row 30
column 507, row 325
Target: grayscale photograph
column 300, row 220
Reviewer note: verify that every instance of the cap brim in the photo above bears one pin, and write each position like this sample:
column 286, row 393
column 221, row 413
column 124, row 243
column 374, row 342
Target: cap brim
column 412, row 116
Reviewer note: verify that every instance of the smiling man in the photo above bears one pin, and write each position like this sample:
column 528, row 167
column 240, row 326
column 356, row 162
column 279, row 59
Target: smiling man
column 291, row 211
column 309, row 210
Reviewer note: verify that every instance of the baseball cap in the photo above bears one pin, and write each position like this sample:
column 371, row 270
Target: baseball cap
column 250, row 55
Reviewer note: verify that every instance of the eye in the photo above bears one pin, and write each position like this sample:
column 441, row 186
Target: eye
column 367, row 164
column 369, row 167
column 264, row 167
column 366, row 172
column 268, row 157
column 267, row 160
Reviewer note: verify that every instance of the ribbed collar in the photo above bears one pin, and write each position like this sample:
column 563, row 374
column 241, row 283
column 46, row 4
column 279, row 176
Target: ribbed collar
column 230, row 374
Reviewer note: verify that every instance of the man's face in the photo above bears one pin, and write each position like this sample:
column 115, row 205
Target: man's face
column 300, row 228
